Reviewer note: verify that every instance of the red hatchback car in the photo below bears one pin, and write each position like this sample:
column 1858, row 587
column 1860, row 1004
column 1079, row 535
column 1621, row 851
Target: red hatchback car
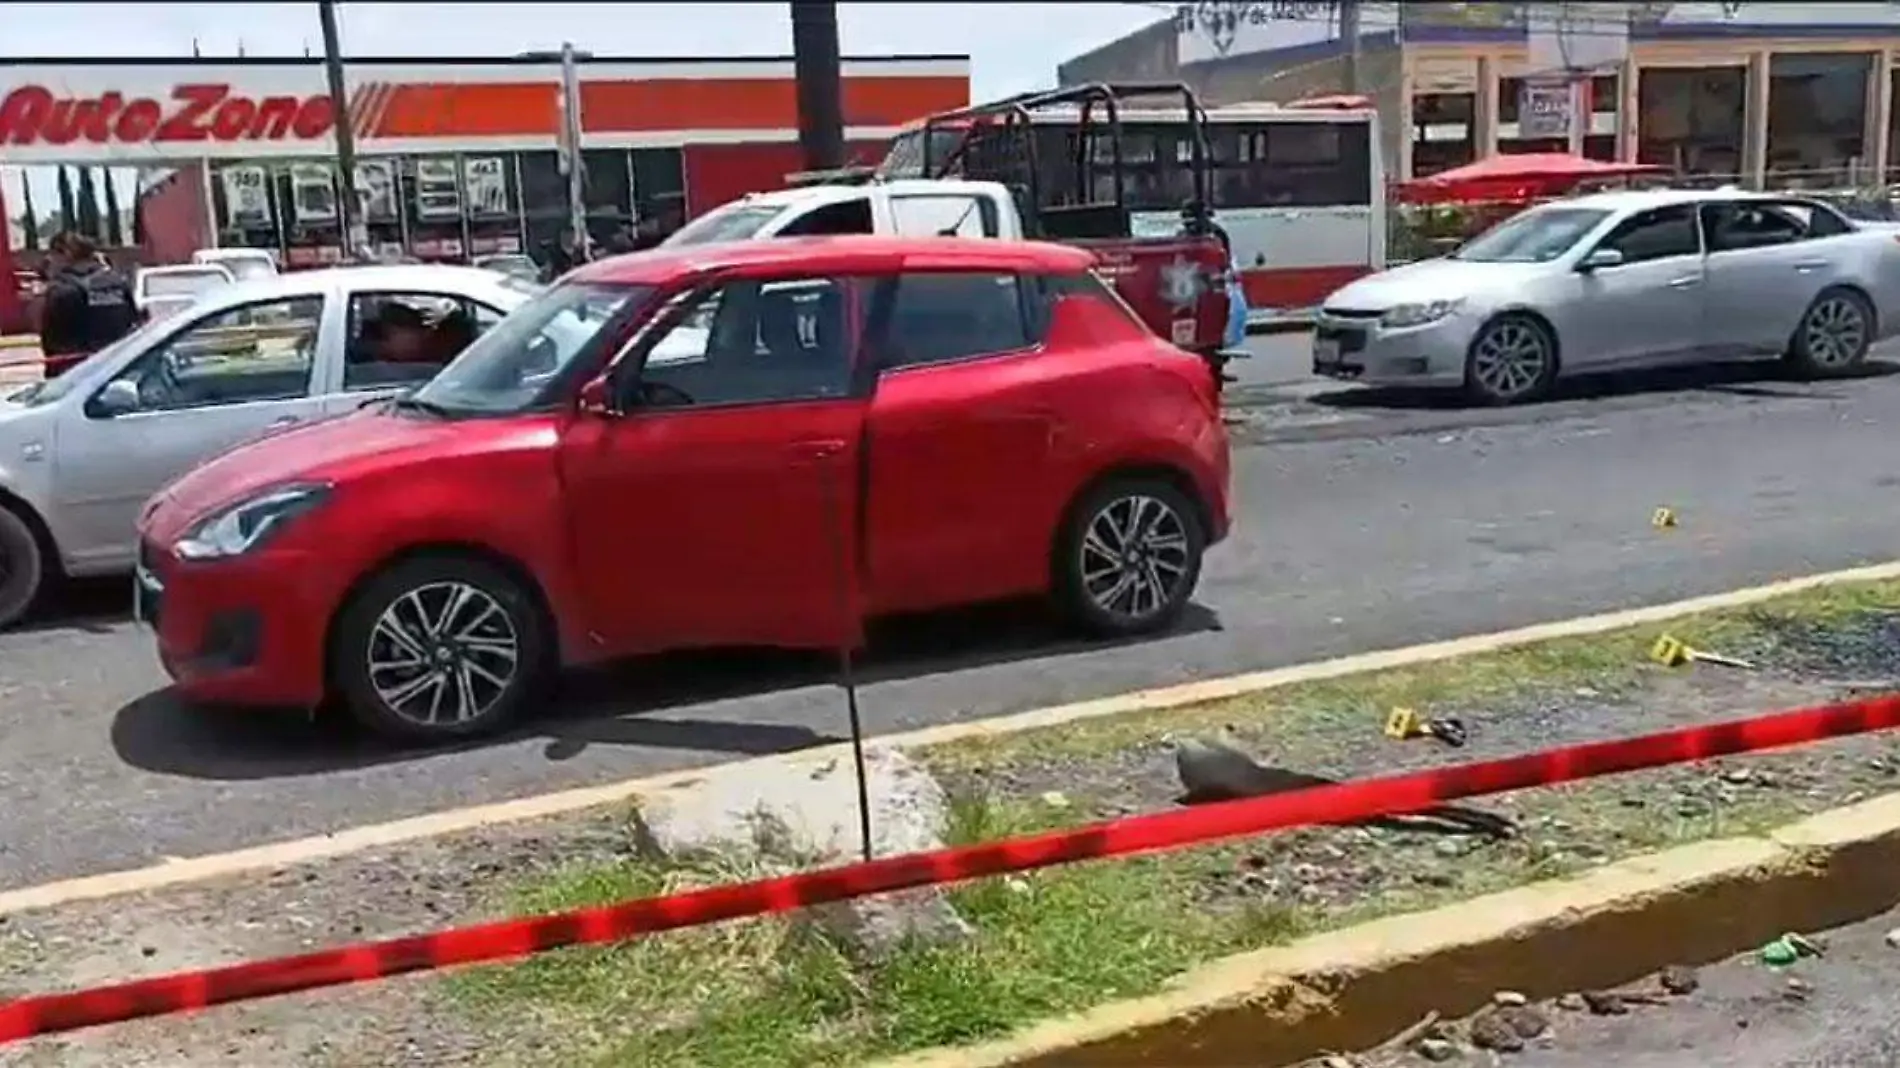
column 744, row 445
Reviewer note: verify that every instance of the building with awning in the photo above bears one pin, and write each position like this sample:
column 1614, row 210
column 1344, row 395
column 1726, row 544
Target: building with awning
column 1778, row 94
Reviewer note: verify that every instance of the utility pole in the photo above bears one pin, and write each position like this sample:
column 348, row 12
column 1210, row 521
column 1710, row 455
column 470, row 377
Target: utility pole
column 569, row 145
column 354, row 234
column 1570, row 25
column 816, row 65
column 1349, row 34
column 1580, row 111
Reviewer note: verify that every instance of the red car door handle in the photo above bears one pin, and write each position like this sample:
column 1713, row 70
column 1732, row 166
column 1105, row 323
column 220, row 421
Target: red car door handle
column 816, row 450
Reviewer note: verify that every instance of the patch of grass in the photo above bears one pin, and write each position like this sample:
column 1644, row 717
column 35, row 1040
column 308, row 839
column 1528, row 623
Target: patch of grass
column 773, row 992
column 1609, row 664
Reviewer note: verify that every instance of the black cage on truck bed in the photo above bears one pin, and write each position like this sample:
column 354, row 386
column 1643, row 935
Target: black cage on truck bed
column 1070, row 179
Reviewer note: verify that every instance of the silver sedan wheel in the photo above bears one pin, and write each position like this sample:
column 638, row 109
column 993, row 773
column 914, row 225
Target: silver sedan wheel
column 1835, row 332
column 1510, row 358
column 1134, row 557
column 443, row 654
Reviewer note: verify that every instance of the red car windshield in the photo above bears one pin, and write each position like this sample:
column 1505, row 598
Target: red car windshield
column 523, row 361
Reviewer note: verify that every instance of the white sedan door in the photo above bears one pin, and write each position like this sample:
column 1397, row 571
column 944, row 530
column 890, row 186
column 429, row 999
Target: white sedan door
column 1764, row 270
column 227, row 377
column 362, row 371
column 1648, row 307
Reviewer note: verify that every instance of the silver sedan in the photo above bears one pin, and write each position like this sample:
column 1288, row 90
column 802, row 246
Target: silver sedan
column 80, row 454
column 1621, row 281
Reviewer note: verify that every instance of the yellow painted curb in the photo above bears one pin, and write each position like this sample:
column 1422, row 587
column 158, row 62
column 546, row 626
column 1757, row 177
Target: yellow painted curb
column 178, row 871
column 1352, row 989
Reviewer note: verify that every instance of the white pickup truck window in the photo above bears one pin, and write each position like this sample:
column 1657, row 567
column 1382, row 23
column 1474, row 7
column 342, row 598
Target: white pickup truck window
column 946, row 215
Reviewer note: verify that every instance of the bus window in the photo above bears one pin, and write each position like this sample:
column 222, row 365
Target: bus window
column 1294, row 164
column 1056, row 179
column 1157, row 166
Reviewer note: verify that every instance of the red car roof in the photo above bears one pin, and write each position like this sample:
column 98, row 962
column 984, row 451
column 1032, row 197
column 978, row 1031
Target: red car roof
column 838, row 255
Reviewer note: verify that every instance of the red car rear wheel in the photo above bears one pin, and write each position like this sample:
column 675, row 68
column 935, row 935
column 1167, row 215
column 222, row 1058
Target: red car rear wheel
column 1130, row 556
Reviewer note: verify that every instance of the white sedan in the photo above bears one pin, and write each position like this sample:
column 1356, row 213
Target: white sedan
column 1620, row 281
column 81, row 453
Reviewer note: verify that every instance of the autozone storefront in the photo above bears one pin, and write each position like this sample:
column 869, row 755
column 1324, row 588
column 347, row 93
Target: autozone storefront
column 455, row 157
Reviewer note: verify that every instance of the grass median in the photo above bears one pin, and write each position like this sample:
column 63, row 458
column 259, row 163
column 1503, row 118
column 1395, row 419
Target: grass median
column 753, row 994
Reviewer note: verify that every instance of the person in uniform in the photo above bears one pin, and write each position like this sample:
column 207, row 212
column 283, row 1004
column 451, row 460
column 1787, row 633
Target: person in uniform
column 88, row 304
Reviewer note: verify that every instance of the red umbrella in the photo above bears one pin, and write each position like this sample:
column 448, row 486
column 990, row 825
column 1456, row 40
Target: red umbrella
column 1515, row 177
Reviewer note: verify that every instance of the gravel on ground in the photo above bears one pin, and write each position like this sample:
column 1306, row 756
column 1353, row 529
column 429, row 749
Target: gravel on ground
column 768, row 993
column 1833, row 1008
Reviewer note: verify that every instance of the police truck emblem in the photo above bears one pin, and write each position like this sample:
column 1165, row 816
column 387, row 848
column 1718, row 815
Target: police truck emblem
column 1180, row 283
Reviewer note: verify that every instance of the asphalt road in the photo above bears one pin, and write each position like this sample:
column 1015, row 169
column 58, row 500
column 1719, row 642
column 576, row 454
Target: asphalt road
column 1746, row 1016
column 1365, row 521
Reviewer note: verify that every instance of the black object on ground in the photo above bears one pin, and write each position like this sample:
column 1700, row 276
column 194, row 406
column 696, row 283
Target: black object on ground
column 1212, row 772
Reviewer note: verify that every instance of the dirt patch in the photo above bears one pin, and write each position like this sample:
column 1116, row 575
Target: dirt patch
column 418, row 887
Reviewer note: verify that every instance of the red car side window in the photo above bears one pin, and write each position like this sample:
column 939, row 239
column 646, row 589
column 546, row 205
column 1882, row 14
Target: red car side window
column 941, row 317
column 757, row 341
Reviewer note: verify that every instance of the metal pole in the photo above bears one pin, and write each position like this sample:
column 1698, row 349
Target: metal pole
column 1580, row 108
column 571, row 148
column 354, row 234
column 1349, row 33
column 211, row 205
column 816, row 65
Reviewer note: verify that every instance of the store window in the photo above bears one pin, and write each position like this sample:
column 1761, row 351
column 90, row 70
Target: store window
column 1516, row 134
column 432, row 187
column 1893, row 128
column 1817, row 115
column 489, row 196
column 1444, row 132
column 1691, row 120
column 543, row 203
column 607, row 191
column 659, row 188
column 244, row 201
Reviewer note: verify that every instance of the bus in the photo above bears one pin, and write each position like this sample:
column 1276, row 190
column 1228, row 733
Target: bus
column 1299, row 188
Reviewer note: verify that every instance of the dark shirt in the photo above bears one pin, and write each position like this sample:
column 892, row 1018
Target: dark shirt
column 87, row 307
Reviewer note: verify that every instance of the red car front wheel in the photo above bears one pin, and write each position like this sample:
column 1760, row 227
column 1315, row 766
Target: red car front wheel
column 439, row 648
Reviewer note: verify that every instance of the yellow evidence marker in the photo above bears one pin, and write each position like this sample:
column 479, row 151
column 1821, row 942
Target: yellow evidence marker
column 1663, row 519
column 1402, row 724
column 1669, row 652
column 1674, row 652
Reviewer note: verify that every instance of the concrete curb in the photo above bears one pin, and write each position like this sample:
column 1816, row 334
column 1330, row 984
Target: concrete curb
column 178, row 871
column 1354, row 988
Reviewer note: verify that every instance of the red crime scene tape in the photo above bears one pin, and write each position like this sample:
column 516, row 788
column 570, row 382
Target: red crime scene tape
column 1344, row 803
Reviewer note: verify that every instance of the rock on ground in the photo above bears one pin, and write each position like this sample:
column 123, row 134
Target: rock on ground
column 790, row 815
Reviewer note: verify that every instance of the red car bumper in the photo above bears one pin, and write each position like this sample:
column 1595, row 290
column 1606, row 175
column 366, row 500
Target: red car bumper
column 245, row 631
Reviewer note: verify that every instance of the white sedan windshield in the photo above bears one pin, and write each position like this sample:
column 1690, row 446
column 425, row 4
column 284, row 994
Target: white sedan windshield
column 1537, row 236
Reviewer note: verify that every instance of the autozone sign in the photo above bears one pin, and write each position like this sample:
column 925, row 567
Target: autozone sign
column 193, row 118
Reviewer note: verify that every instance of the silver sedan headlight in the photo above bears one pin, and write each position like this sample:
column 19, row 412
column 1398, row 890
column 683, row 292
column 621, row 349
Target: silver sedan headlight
column 1419, row 314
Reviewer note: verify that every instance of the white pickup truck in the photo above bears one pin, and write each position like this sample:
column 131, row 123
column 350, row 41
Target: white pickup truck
column 1175, row 281
column 912, row 207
